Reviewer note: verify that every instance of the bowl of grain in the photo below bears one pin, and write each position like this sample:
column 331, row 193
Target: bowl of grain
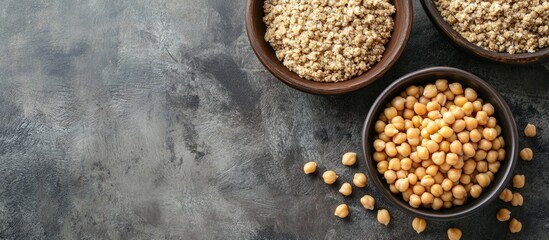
column 328, row 47
column 514, row 32
column 440, row 143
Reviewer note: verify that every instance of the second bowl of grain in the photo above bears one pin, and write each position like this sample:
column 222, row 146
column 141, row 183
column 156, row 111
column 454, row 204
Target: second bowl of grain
column 257, row 29
column 514, row 33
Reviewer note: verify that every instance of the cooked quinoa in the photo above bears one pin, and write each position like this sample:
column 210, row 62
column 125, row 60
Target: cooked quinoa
column 513, row 26
column 328, row 40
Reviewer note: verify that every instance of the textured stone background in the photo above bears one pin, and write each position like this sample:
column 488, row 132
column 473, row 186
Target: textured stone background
column 149, row 119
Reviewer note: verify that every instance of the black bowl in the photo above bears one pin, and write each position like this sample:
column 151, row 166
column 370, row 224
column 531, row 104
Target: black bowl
column 503, row 115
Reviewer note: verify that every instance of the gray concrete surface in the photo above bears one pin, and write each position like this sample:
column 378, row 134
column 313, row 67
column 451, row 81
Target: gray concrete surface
column 152, row 119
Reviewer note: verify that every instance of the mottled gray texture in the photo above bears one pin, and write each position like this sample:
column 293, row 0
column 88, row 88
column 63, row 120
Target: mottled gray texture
column 149, row 119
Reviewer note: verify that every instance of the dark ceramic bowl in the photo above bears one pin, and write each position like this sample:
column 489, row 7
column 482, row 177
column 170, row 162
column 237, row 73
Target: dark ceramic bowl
column 255, row 27
column 503, row 115
column 539, row 56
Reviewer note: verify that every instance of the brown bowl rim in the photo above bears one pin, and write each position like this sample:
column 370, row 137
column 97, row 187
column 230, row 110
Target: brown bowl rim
column 293, row 80
column 442, row 26
column 469, row 208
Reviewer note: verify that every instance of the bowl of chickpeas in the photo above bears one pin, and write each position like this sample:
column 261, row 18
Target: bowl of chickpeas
column 440, row 143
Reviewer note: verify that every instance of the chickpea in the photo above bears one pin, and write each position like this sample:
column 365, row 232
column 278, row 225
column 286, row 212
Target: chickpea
column 416, row 120
column 492, row 123
column 501, row 154
column 447, row 196
column 446, row 131
column 475, row 135
column 379, row 127
column 470, row 94
column 398, row 103
column 482, row 118
column 349, row 158
column 515, row 226
column 412, row 90
column 406, row 194
column 427, row 163
column 460, row 100
column 468, row 108
column 432, row 127
column 477, row 106
column 441, row 84
column 390, row 176
column 452, row 158
column 383, row 217
column 483, row 179
column 459, row 192
column 342, row 211
column 465, row 179
column 427, row 180
column 468, row 150
column 454, row 233
column 456, row 88
column 420, row 172
column 503, row 215
column 412, row 178
column 399, row 138
column 518, row 181
column 420, row 109
column 415, row 201
column 424, row 133
column 517, row 199
column 456, row 147
column 380, row 156
column 447, row 204
column 470, row 123
column 384, row 137
column 490, row 134
column 368, row 202
column 359, row 180
column 423, row 152
column 458, row 113
column 530, row 130
column 475, row 191
column 432, row 170
column 309, row 167
column 454, row 174
column 394, row 164
column 433, row 106
column 463, row 137
column 506, row 195
column 444, row 146
column 419, row 225
column 329, row 177
column 418, row 189
column 398, row 122
column 401, row 174
column 346, row 189
column 436, row 190
column 494, row 167
column 393, row 189
column 446, row 184
column 424, row 100
column 480, row 155
column 390, row 112
column 526, row 154
column 488, row 108
column 427, row 198
column 402, row 184
column 496, row 144
column 441, row 100
column 408, row 114
column 409, row 103
column 382, row 167
column 379, row 145
column 485, row 145
column 434, row 115
column 437, row 137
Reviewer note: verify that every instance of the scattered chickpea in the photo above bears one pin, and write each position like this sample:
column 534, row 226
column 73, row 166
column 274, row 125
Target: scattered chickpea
column 368, row 202
column 349, row 159
column 329, row 177
column 309, row 167
column 503, row 215
column 517, row 199
column 342, row 211
column 454, row 233
column 359, row 180
column 515, row 226
column 383, row 217
column 419, row 224
column 346, row 189
column 526, row 154
column 530, row 130
column 518, row 181
column 506, row 195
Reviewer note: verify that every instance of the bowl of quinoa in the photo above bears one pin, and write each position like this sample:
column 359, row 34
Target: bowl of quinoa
column 507, row 31
column 325, row 46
